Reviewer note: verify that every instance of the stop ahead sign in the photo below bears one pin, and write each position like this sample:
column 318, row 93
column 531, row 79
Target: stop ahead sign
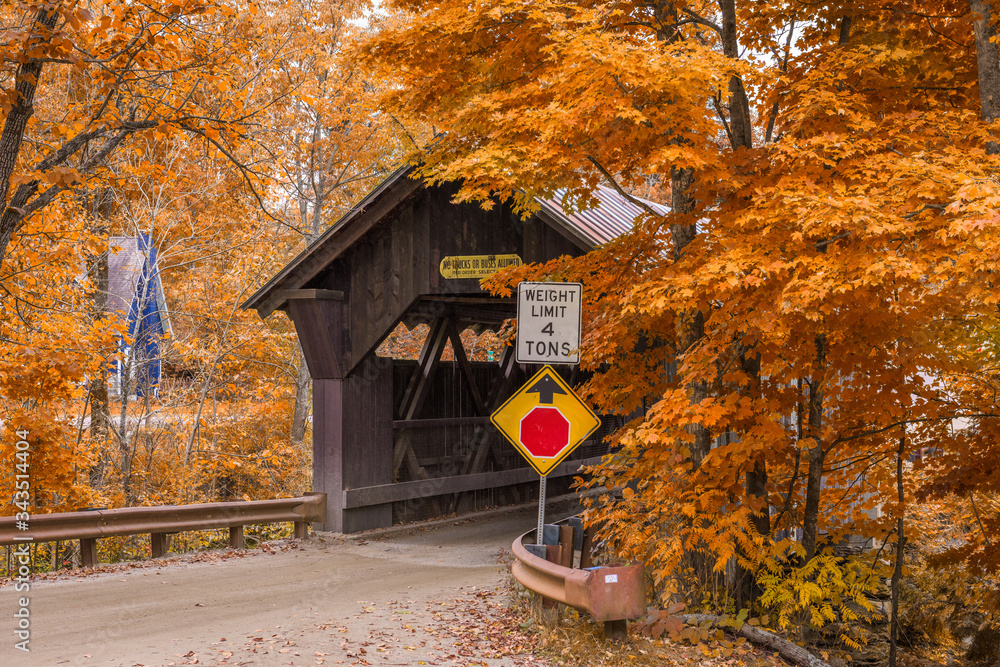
column 545, row 420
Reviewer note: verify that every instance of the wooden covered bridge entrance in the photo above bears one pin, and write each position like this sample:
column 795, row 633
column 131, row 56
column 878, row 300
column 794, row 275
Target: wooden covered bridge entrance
column 395, row 440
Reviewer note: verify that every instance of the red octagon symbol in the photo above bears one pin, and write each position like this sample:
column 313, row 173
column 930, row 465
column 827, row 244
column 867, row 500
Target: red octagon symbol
column 544, row 431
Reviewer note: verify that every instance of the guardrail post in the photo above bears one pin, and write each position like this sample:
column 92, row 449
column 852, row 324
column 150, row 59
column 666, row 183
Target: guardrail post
column 159, row 544
column 301, row 530
column 566, row 543
column 616, row 631
column 553, row 554
column 586, row 551
column 88, row 551
column 236, row 537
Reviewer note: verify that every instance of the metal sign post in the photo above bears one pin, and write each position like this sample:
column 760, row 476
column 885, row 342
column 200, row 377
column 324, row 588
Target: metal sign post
column 541, row 507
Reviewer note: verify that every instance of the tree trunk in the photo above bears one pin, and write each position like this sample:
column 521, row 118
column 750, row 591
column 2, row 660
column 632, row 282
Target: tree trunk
column 988, row 62
column 29, row 73
column 303, row 381
column 814, row 480
column 748, row 589
column 302, row 404
column 739, row 105
column 772, row 642
column 124, row 437
column 897, row 570
column 817, row 456
column 742, row 137
column 692, row 324
column 100, row 405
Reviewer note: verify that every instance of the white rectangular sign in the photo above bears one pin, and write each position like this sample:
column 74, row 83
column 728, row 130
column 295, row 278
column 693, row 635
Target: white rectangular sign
column 548, row 323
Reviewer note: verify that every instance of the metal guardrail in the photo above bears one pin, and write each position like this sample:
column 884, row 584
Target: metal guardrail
column 160, row 522
column 610, row 594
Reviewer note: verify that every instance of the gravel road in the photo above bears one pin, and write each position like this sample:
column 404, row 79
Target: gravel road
column 426, row 595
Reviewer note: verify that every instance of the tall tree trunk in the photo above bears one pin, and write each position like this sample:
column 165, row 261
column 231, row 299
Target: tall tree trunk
column 814, row 479
column 739, row 106
column 691, row 326
column 124, row 436
column 302, row 404
column 897, row 570
column 29, row 73
column 741, row 134
column 747, row 587
column 303, row 380
column 988, row 61
column 100, row 404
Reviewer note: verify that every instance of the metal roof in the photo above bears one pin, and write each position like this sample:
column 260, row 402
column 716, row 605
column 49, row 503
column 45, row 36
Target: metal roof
column 613, row 216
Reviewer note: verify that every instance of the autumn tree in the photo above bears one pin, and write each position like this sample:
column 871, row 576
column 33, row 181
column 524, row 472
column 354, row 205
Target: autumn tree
column 161, row 119
column 333, row 141
column 81, row 81
column 797, row 324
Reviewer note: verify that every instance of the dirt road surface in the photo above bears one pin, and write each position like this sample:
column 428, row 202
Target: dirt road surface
column 423, row 596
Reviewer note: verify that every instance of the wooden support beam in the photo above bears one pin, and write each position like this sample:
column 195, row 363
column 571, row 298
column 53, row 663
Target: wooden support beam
column 463, row 362
column 88, row 551
column 159, row 544
column 420, row 380
column 319, row 321
column 484, row 439
column 422, row 488
column 236, row 538
column 440, row 422
column 301, row 530
column 416, row 393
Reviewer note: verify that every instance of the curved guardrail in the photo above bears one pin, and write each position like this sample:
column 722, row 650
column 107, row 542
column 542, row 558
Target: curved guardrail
column 88, row 526
column 610, row 593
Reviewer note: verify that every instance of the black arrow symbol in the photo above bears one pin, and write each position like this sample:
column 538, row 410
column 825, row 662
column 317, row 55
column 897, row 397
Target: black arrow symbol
column 546, row 388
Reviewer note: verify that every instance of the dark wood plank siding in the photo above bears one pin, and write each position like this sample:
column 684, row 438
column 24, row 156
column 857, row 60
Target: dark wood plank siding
column 328, row 445
column 399, row 260
column 367, row 460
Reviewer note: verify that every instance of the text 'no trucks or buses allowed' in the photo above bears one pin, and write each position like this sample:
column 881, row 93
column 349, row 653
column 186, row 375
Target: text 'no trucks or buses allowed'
column 548, row 323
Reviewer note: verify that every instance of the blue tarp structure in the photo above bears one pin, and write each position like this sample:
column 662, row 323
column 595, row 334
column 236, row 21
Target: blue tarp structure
column 136, row 292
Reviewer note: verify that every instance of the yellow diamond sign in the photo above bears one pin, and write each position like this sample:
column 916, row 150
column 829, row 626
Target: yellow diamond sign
column 545, row 420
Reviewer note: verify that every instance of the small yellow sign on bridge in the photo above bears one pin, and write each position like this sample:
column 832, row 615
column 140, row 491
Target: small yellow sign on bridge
column 476, row 266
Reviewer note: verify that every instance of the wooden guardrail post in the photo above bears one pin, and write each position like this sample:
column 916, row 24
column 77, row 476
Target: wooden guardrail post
column 88, row 552
column 159, row 544
column 301, row 530
column 587, row 551
column 236, row 540
column 566, row 542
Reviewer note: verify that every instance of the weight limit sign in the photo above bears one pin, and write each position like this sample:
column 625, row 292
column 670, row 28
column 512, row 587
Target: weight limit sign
column 548, row 323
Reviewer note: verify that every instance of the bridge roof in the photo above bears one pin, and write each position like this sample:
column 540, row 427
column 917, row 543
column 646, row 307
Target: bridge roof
column 613, row 216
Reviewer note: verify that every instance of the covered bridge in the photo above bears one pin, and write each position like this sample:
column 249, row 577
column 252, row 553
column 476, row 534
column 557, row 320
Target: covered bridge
column 393, row 439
